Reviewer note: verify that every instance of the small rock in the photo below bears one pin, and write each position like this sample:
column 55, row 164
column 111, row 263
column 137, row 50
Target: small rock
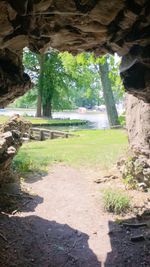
column 138, row 238
column 11, row 150
column 110, row 232
column 142, row 185
column 98, row 181
column 78, row 233
column 95, row 233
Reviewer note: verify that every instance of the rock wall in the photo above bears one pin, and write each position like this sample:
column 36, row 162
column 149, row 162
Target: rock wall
column 138, row 124
column 137, row 165
column 100, row 26
column 10, row 140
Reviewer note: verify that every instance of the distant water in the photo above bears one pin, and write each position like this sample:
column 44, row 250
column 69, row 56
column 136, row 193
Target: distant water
column 96, row 119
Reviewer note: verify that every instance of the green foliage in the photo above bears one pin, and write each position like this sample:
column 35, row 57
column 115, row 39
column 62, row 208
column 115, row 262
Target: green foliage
column 86, row 86
column 42, row 121
column 68, row 81
column 130, row 172
column 22, row 163
column 108, row 93
column 122, row 119
column 114, row 75
column 32, row 67
column 31, row 64
column 130, row 181
column 85, row 69
column 116, row 201
column 55, row 122
column 28, row 100
column 55, row 82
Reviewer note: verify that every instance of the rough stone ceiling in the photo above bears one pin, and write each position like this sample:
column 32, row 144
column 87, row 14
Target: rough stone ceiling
column 100, row 26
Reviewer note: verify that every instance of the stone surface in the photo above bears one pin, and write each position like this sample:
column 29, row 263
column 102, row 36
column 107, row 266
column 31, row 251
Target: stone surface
column 99, row 26
column 137, row 164
column 11, row 135
column 138, row 124
column 135, row 169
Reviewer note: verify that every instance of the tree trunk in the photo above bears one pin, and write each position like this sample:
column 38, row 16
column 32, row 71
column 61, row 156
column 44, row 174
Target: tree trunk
column 39, row 106
column 47, row 109
column 108, row 95
column 40, row 87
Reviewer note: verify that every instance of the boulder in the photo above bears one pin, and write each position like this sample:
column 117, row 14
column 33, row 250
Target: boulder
column 11, row 135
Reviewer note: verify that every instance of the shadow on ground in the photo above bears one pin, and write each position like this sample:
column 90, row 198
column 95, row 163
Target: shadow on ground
column 130, row 242
column 33, row 177
column 14, row 199
column 33, row 241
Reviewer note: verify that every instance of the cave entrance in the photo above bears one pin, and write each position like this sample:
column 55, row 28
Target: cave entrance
column 74, row 26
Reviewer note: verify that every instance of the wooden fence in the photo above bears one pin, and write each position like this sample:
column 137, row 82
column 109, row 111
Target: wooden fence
column 43, row 134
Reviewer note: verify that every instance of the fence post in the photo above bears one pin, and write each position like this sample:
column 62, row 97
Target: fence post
column 41, row 135
column 51, row 135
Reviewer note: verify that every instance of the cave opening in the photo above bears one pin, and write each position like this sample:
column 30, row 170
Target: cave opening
column 101, row 27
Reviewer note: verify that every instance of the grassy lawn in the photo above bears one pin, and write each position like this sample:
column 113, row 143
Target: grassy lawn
column 92, row 148
column 42, row 121
column 3, row 118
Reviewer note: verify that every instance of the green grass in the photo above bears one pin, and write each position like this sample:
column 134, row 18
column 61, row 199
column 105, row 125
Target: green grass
column 23, row 163
column 3, row 118
column 42, row 121
column 116, row 201
column 92, row 148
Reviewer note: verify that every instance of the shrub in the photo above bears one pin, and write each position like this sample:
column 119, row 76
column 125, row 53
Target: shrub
column 122, row 119
column 22, row 163
column 116, row 201
column 130, row 182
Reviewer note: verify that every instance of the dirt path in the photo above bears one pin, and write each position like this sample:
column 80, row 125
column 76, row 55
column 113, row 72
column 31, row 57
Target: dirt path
column 70, row 198
column 64, row 226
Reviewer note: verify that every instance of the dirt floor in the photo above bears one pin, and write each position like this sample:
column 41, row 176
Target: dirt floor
column 58, row 220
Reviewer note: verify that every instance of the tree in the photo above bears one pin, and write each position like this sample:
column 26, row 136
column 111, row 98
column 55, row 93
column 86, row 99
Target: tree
column 33, row 68
column 64, row 81
column 28, row 100
column 114, row 76
column 51, row 81
column 40, row 86
column 85, row 91
column 105, row 74
column 108, row 93
column 54, row 83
